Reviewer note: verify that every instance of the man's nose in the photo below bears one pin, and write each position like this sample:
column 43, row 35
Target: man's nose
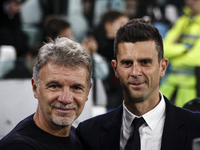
column 65, row 96
column 136, row 70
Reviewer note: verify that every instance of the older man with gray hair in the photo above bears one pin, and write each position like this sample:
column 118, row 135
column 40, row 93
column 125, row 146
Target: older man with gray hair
column 61, row 82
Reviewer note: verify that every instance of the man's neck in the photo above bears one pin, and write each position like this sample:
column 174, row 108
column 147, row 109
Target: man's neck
column 140, row 108
column 51, row 128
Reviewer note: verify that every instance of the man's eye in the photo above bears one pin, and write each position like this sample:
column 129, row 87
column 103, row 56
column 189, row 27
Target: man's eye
column 146, row 62
column 77, row 88
column 126, row 63
column 54, row 86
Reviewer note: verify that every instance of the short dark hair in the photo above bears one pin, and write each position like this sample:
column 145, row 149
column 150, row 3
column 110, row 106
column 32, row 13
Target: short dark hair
column 137, row 30
column 19, row 1
column 111, row 16
column 53, row 25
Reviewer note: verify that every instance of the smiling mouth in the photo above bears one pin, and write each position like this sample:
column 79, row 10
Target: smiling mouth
column 137, row 85
column 64, row 109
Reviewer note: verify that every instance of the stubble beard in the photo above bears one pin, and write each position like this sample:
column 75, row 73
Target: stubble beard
column 63, row 119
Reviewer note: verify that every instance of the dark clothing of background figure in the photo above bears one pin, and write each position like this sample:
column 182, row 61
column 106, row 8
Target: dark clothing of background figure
column 20, row 71
column 27, row 136
column 105, row 45
column 11, row 33
column 103, row 132
column 111, row 83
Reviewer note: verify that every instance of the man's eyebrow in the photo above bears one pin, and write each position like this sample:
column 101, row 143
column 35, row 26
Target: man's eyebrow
column 125, row 60
column 51, row 82
column 147, row 58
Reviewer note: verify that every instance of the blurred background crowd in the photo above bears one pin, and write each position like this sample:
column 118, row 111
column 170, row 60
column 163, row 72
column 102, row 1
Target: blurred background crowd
column 26, row 24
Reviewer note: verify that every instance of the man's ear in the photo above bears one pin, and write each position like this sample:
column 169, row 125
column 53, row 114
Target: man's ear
column 114, row 65
column 163, row 66
column 88, row 91
column 34, row 88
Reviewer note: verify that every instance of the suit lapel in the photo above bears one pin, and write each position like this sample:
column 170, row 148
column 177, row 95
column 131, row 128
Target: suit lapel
column 110, row 140
column 172, row 138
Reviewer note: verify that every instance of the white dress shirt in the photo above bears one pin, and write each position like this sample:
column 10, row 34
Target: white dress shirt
column 150, row 132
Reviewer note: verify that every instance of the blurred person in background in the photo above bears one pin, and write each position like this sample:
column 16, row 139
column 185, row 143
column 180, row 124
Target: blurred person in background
column 104, row 34
column 24, row 65
column 61, row 82
column 56, row 25
column 10, row 26
column 100, row 71
column 106, row 31
column 182, row 48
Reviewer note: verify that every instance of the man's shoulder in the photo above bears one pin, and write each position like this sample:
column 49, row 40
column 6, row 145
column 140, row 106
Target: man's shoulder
column 104, row 119
column 15, row 141
column 180, row 114
column 106, row 125
column 107, row 116
column 18, row 134
column 74, row 137
column 190, row 115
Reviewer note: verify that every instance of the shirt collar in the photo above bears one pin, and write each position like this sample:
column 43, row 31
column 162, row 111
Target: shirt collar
column 152, row 117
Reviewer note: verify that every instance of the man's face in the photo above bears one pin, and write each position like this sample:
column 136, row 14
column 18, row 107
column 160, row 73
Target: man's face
column 61, row 93
column 119, row 23
column 138, row 70
column 112, row 27
column 194, row 5
column 14, row 7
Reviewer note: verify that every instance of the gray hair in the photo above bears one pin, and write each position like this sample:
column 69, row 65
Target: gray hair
column 64, row 52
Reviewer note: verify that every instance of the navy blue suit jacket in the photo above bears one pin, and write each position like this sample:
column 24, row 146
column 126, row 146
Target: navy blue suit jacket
column 103, row 132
